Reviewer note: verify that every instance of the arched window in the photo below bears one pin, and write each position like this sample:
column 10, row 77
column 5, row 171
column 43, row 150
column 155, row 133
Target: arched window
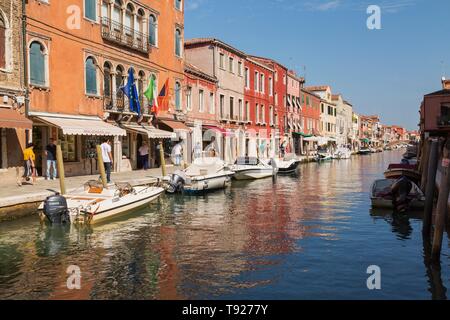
column 117, row 11
column 129, row 23
column 37, row 64
column 120, row 77
column 177, row 96
column 2, row 42
column 107, row 83
column 105, row 11
column 140, row 87
column 178, row 42
column 91, row 76
column 153, row 30
column 178, row 4
column 139, row 26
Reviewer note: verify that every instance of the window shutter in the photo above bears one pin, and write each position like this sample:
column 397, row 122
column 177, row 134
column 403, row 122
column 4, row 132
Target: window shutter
column 37, row 65
column 89, row 7
column 2, row 47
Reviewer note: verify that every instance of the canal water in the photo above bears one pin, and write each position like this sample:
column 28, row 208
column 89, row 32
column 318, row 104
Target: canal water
column 310, row 236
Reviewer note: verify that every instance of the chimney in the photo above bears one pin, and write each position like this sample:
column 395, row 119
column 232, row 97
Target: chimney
column 445, row 84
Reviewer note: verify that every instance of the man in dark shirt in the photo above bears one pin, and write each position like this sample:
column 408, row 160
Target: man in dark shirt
column 50, row 152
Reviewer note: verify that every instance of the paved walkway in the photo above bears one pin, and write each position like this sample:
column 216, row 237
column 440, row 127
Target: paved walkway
column 11, row 194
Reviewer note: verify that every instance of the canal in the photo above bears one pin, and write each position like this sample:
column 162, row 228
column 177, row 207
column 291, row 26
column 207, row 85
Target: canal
column 311, row 236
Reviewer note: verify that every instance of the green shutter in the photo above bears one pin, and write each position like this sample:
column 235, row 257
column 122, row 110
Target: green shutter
column 37, row 64
column 89, row 9
column 91, row 78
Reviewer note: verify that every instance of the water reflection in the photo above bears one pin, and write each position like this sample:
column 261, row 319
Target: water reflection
column 295, row 237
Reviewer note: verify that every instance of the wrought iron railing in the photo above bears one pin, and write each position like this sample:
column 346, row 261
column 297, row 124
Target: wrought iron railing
column 123, row 35
column 117, row 101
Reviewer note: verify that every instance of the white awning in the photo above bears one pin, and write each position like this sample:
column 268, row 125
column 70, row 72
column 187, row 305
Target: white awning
column 81, row 125
column 311, row 139
column 151, row 131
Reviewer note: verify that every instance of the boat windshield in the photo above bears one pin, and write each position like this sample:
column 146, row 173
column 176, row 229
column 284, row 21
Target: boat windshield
column 252, row 161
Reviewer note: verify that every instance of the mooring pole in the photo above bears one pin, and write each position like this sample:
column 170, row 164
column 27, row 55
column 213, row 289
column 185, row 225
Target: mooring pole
column 60, row 164
column 430, row 186
column 101, row 166
column 442, row 205
column 163, row 161
column 423, row 166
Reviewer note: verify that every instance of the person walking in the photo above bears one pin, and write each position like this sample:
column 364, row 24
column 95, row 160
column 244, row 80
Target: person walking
column 29, row 165
column 50, row 152
column 143, row 155
column 107, row 158
column 178, row 152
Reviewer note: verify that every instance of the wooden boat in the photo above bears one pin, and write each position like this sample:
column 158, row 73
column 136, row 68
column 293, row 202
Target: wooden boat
column 396, row 171
column 381, row 195
column 95, row 203
column 250, row 168
column 286, row 166
column 205, row 174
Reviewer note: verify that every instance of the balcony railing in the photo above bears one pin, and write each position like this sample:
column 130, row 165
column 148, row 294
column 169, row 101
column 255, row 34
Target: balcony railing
column 123, row 35
column 443, row 121
column 118, row 102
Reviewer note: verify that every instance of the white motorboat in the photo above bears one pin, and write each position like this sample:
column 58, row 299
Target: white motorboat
column 95, row 203
column 382, row 194
column 323, row 155
column 364, row 151
column 285, row 166
column 249, row 168
column 207, row 173
column 342, row 153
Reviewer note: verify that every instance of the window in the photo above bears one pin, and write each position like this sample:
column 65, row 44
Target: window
column 189, row 99
column 117, row 12
column 271, row 115
column 270, row 86
column 276, row 98
column 247, row 78
column 222, row 106
column 241, row 110
column 90, row 9
column 140, row 85
column 200, row 100
column 247, row 111
column 232, row 115
column 307, row 100
column 178, row 4
column 120, row 81
column 177, row 96
column 263, row 115
column 256, row 81
column 91, row 76
column 262, row 84
column 239, row 69
column 153, row 30
column 178, row 42
column 276, row 76
column 321, row 107
column 2, row 42
column 257, row 113
column 129, row 20
column 222, row 61
column 335, row 112
column 211, row 103
column 231, row 65
column 37, row 64
column 107, row 84
column 105, row 10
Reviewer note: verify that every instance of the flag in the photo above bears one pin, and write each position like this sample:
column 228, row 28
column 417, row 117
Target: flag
column 150, row 91
column 130, row 90
column 163, row 98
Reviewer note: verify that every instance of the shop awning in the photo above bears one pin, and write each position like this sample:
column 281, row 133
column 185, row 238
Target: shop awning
column 220, row 130
column 311, row 139
column 12, row 119
column 150, row 131
column 365, row 140
column 305, row 135
column 176, row 125
column 82, row 125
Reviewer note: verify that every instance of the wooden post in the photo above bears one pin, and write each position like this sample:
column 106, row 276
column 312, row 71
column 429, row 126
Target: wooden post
column 430, row 174
column 163, row 161
column 60, row 164
column 101, row 166
column 442, row 205
column 423, row 166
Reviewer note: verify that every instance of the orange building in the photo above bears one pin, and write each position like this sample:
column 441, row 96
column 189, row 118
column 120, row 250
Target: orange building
column 80, row 53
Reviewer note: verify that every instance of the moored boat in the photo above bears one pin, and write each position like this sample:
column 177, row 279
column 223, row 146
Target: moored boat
column 205, row 174
column 364, row 151
column 286, row 166
column 396, row 171
column 342, row 153
column 401, row 193
column 250, row 168
column 95, row 203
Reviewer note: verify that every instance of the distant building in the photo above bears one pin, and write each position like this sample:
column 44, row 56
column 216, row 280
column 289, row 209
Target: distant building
column 328, row 112
column 435, row 112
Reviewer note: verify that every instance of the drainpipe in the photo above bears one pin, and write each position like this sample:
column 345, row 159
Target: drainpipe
column 24, row 57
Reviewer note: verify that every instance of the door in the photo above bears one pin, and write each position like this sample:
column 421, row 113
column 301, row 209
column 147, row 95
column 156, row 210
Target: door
column 38, row 148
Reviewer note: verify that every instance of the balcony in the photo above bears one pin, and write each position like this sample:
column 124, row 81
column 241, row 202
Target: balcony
column 118, row 33
column 443, row 121
column 117, row 102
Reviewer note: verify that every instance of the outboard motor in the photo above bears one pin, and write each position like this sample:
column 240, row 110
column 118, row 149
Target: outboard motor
column 176, row 182
column 400, row 191
column 56, row 210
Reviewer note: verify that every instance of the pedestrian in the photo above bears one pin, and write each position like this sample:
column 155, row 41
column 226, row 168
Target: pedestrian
column 198, row 151
column 107, row 158
column 143, row 155
column 178, row 152
column 50, row 152
column 29, row 165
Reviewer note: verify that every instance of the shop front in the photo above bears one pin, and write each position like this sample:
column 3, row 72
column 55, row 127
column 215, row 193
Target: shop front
column 182, row 132
column 78, row 137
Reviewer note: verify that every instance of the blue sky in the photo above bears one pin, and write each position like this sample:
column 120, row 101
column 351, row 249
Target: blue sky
column 383, row 72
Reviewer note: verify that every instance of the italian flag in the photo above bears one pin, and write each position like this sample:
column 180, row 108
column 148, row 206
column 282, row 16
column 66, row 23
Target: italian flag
column 151, row 94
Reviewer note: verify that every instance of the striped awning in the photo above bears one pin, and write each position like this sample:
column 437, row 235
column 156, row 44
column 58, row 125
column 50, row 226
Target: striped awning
column 150, row 131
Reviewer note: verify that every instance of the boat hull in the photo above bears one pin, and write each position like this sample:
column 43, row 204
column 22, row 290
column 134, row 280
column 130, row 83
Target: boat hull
column 207, row 184
column 387, row 203
column 252, row 174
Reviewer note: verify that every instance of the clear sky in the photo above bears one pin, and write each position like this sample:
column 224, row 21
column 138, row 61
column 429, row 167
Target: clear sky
column 383, row 72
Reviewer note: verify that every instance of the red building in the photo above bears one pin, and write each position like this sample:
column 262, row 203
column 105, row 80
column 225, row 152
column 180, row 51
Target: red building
column 435, row 111
column 310, row 103
column 259, row 107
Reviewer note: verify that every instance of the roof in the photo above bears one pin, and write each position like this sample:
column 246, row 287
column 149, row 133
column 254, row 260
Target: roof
column 346, row 102
column 261, row 64
column 335, row 96
column 268, row 60
column 213, row 41
column 443, row 92
column 318, row 88
column 191, row 69
column 311, row 93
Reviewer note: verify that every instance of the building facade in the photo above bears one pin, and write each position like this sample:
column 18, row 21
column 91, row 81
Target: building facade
column 81, row 52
